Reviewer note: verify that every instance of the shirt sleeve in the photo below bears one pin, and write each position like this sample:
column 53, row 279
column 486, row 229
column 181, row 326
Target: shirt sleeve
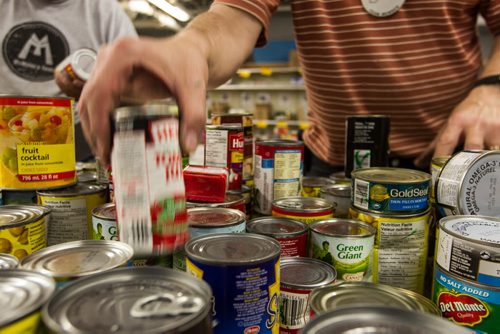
column 490, row 10
column 262, row 10
column 117, row 22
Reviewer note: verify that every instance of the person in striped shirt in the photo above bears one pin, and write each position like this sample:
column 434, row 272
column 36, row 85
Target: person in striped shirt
column 416, row 61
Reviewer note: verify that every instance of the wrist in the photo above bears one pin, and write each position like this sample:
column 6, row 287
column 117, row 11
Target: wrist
column 490, row 80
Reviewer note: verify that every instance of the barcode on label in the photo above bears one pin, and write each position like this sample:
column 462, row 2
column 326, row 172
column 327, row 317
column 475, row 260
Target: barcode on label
column 361, row 194
column 294, row 310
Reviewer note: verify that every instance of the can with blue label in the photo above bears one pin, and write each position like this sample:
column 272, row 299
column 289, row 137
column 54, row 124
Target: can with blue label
column 243, row 272
column 390, row 190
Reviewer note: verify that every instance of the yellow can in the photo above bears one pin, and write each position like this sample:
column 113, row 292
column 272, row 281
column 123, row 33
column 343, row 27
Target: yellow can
column 37, row 143
column 71, row 217
column 23, row 229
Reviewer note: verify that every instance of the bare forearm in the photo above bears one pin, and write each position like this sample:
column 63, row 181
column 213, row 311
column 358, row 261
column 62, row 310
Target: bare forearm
column 226, row 36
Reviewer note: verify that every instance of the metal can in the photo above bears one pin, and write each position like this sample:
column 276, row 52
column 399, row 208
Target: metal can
column 37, row 145
column 311, row 185
column 246, row 192
column 232, row 201
column 71, row 260
column 469, row 184
column 349, row 294
column 249, row 265
column 347, row 244
column 367, row 142
column 71, row 217
column 8, row 261
column 23, row 295
column 299, row 276
column 378, row 320
column 390, row 190
column 149, row 188
column 339, row 195
column 104, row 226
column 19, row 197
column 224, row 147
column 469, row 247
column 23, row 229
column 79, row 64
column 203, row 221
column 306, row 209
column 133, row 300
column 292, row 234
column 467, row 303
column 437, row 164
column 277, row 171
column 339, row 177
column 401, row 247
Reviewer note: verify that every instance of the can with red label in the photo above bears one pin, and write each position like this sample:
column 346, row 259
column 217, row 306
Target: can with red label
column 277, row 171
column 299, row 276
column 306, row 209
column 224, row 147
column 292, row 234
column 147, row 177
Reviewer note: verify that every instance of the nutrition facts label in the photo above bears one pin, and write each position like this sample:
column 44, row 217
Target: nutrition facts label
column 68, row 220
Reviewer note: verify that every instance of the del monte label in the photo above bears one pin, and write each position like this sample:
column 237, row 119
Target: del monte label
column 462, row 309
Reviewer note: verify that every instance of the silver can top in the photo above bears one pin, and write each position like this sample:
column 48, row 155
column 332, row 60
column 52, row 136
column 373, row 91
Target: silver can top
column 78, row 258
column 214, row 217
column 232, row 249
column 303, row 204
column 78, row 189
column 23, row 292
column 391, row 175
column 478, row 229
column 154, row 109
column 15, row 215
column 105, row 211
column 277, row 226
column 305, row 273
column 337, row 190
column 129, row 300
column 343, row 227
column 8, row 261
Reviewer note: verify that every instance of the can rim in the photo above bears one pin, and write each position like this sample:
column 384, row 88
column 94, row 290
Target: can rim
column 367, row 174
column 449, row 219
column 371, row 231
column 37, row 212
column 78, row 189
column 279, row 204
column 251, row 226
column 329, row 271
column 237, row 217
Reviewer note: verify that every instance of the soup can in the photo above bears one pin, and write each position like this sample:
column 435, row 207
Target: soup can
column 390, row 190
column 79, row 64
column 134, row 300
column 23, row 229
column 204, row 221
column 306, row 209
column 311, row 185
column 469, row 184
column 292, row 234
column 347, row 244
column 277, row 171
column 71, row 217
column 401, row 247
column 340, row 177
column 23, row 295
column 469, row 247
column 437, row 164
column 37, row 143
column 71, row 260
column 380, row 320
column 149, row 191
column 8, row 261
column 104, row 226
column 339, row 195
column 224, row 147
column 353, row 294
column 248, row 264
column 467, row 303
column 299, row 276
column 232, row 201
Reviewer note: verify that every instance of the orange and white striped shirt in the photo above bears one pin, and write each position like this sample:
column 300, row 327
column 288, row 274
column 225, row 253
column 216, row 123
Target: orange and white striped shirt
column 414, row 66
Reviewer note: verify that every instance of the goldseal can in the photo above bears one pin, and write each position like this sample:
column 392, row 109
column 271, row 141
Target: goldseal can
column 348, row 294
column 311, row 185
column 469, row 247
column 37, row 143
column 277, row 171
column 23, row 295
column 390, row 190
column 147, row 177
column 469, row 184
column 401, row 247
column 380, row 319
column 104, row 226
column 292, row 234
column 249, row 265
column 71, row 217
column 79, row 64
column 299, row 276
column 306, row 209
column 467, row 303
column 134, row 300
column 23, row 229
column 339, row 195
column 346, row 244
column 71, row 260
column 8, row 261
